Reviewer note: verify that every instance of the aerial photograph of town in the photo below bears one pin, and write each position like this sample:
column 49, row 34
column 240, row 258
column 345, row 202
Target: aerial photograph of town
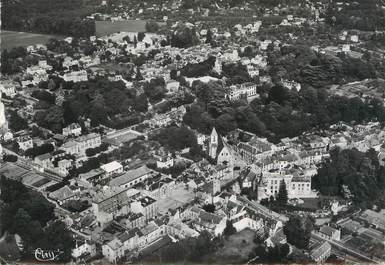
column 192, row 132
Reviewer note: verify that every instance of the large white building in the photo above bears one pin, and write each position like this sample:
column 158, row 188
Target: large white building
column 82, row 143
column 296, row 186
column 247, row 89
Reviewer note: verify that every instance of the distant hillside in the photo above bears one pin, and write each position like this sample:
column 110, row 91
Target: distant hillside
column 367, row 15
column 60, row 17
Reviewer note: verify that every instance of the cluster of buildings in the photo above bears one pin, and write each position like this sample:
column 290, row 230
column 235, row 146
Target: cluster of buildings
column 138, row 205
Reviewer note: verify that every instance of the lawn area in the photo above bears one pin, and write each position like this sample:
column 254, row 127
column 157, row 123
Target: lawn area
column 236, row 248
column 310, row 203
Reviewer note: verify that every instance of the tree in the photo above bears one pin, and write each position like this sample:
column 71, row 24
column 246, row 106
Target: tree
column 209, row 36
column 141, row 36
column 17, row 123
column 141, row 103
column 39, row 150
column 9, row 158
column 225, row 123
column 184, row 37
column 57, row 236
column 176, row 138
column 282, row 196
column 155, row 90
column 359, row 172
column 209, row 208
column 138, row 75
column 152, row 26
column 298, row 231
column 229, row 229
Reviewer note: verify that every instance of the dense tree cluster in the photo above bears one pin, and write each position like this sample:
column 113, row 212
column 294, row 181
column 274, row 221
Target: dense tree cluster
column 229, row 229
column 236, row 73
column 361, row 14
column 44, row 96
column 267, row 255
column 184, row 36
column 48, row 16
column 155, row 90
column 279, row 113
column 298, row 231
column 189, row 249
column 176, row 138
column 91, row 163
column 26, row 213
column 14, row 60
column 93, row 151
column 108, row 102
column 39, row 150
column 302, row 64
column 50, row 118
column 360, row 172
column 17, row 123
column 9, row 158
column 199, row 69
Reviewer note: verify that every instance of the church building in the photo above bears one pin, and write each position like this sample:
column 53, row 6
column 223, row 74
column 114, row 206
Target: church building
column 219, row 150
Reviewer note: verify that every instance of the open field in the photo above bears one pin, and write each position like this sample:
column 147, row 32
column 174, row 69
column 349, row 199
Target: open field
column 104, row 28
column 108, row 27
column 11, row 39
column 178, row 197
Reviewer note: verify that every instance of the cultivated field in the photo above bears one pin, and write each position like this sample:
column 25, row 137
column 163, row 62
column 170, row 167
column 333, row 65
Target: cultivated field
column 11, row 39
column 107, row 27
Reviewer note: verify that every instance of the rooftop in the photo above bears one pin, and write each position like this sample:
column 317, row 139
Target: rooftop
column 112, row 166
column 130, row 175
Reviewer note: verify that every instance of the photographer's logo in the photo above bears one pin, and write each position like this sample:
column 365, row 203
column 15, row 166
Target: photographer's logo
column 47, row 255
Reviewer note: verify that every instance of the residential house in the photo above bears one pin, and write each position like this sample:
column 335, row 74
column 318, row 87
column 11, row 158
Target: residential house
column 25, row 142
column 63, row 195
column 330, row 233
column 172, row 86
column 83, row 249
column 150, row 233
column 116, row 249
column 249, row 90
column 74, row 129
column 8, row 87
column 203, row 220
